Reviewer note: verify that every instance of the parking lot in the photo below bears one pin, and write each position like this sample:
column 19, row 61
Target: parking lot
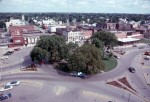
column 17, row 56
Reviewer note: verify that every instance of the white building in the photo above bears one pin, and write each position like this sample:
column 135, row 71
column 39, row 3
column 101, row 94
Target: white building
column 48, row 22
column 74, row 36
column 135, row 24
column 52, row 28
column 16, row 22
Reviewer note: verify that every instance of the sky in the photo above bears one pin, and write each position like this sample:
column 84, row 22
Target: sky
column 78, row 6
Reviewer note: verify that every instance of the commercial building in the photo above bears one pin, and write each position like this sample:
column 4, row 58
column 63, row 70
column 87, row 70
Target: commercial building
column 128, row 37
column 77, row 35
column 24, row 35
column 15, row 22
column 52, row 28
column 111, row 26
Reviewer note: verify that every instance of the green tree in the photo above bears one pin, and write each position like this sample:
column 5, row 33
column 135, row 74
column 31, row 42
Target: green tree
column 109, row 39
column 86, row 58
column 98, row 43
column 71, row 47
column 38, row 54
column 53, row 48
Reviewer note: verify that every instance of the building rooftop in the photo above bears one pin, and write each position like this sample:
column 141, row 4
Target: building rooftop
column 128, row 39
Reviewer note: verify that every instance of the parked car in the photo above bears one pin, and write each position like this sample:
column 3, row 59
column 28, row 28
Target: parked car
column 147, row 57
column 131, row 69
column 134, row 46
column 147, row 53
column 5, row 96
column 5, row 57
column 6, row 87
column 13, row 83
column 8, row 53
column 116, row 57
column 78, row 74
column 17, row 49
column 141, row 47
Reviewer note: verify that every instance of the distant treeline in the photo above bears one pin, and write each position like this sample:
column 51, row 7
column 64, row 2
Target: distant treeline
column 78, row 17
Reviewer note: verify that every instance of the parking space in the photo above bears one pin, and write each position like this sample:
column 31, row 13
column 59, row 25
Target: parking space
column 26, row 90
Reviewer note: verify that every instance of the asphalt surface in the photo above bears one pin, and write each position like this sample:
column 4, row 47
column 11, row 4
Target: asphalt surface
column 95, row 86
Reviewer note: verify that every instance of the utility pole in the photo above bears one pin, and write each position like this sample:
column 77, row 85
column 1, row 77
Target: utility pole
column 129, row 98
column 20, row 62
column 68, row 23
column 0, row 73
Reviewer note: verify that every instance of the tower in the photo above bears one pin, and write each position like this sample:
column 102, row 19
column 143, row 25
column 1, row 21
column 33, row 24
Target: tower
column 23, row 20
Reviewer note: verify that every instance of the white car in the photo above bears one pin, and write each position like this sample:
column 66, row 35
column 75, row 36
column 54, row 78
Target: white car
column 116, row 56
column 13, row 83
column 147, row 58
column 6, row 57
column 2, row 58
column 6, row 87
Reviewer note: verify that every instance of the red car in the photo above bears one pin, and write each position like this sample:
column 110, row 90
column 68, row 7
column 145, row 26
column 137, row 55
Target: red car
column 147, row 53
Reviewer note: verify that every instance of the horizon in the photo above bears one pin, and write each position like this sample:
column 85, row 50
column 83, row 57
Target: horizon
column 70, row 6
column 76, row 13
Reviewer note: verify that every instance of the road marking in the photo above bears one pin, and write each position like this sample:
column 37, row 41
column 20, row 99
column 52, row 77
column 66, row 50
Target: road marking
column 34, row 83
column 94, row 94
column 146, row 66
column 60, row 90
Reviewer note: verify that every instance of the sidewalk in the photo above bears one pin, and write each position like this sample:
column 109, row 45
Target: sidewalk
column 128, row 46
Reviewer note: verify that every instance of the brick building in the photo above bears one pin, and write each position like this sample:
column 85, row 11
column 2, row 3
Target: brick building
column 17, row 35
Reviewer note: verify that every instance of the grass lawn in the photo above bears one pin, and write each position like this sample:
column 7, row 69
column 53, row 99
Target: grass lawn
column 144, row 41
column 110, row 64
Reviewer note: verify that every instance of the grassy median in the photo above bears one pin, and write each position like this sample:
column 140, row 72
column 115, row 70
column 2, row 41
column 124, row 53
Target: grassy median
column 110, row 63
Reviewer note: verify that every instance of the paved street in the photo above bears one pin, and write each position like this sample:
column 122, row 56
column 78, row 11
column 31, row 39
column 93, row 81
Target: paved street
column 47, row 80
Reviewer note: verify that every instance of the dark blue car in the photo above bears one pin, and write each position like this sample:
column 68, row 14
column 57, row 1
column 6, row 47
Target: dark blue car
column 5, row 96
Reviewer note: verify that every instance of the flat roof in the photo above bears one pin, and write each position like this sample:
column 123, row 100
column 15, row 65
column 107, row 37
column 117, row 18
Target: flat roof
column 128, row 39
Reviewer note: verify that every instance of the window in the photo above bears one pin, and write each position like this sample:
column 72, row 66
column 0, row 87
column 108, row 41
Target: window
column 17, row 41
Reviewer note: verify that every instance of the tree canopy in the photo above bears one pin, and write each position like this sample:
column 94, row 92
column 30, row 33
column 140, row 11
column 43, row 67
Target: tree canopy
column 52, row 48
column 109, row 39
column 86, row 58
column 98, row 43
